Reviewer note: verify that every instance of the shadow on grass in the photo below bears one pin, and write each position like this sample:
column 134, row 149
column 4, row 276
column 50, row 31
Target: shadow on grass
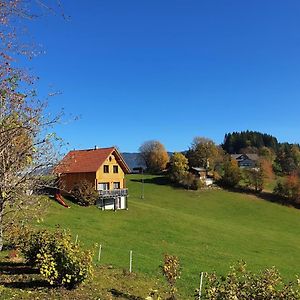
column 267, row 196
column 14, row 268
column 119, row 294
column 159, row 180
column 11, row 269
column 32, row 284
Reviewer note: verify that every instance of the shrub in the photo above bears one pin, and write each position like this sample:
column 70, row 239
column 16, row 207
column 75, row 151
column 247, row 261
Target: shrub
column 171, row 272
column 59, row 260
column 17, row 235
column 85, row 193
column 243, row 285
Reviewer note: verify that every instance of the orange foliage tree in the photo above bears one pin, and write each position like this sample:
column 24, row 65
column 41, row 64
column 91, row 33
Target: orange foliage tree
column 154, row 155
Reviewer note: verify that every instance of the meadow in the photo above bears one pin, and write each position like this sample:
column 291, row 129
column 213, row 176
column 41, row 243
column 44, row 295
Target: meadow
column 208, row 230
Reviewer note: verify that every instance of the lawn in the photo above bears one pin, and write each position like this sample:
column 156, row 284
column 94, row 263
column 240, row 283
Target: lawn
column 208, row 230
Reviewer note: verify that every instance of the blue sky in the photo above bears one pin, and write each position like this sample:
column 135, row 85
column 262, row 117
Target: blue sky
column 171, row 70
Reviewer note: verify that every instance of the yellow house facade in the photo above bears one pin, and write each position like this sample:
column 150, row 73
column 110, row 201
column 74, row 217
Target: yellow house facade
column 105, row 168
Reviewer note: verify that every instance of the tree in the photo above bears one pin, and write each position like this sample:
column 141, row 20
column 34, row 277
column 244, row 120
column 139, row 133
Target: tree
column 26, row 141
column 267, row 154
column 236, row 141
column 289, row 188
column 204, row 153
column 154, row 155
column 178, row 167
column 254, row 178
column 267, row 167
column 232, row 173
column 287, row 159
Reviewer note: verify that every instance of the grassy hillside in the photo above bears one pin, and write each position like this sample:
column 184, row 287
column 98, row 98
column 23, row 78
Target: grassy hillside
column 208, row 230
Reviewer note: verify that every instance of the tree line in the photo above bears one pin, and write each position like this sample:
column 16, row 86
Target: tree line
column 280, row 160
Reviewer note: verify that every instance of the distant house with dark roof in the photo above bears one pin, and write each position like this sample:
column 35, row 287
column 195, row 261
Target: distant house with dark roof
column 105, row 168
column 246, row 160
column 203, row 175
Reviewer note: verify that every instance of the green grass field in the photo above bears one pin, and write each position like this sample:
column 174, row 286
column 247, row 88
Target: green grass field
column 208, row 230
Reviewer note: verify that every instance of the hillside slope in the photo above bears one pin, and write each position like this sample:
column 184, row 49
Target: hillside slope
column 208, row 230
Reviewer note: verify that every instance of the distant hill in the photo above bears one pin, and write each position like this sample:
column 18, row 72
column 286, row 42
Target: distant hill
column 133, row 160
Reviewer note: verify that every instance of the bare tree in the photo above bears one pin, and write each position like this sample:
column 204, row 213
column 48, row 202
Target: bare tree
column 26, row 138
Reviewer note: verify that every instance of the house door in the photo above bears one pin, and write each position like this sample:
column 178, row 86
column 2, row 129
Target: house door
column 118, row 203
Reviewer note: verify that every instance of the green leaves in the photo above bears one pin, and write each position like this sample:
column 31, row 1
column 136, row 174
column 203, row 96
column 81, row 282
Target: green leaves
column 243, row 285
column 59, row 260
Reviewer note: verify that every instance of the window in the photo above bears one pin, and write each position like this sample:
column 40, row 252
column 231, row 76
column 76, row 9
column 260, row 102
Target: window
column 116, row 185
column 116, row 169
column 103, row 186
column 106, row 168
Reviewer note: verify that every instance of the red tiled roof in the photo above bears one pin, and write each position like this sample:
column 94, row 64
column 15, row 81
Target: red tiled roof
column 84, row 161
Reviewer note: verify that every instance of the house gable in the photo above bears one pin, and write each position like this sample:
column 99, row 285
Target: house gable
column 86, row 161
column 88, row 165
column 111, row 172
column 245, row 160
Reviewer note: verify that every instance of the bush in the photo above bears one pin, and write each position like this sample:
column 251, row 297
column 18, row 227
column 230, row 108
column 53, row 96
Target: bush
column 171, row 272
column 85, row 193
column 243, row 285
column 59, row 260
column 17, row 235
column 192, row 182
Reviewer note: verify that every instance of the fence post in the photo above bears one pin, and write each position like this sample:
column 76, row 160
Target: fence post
column 200, row 287
column 130, row 261
column 99, row 253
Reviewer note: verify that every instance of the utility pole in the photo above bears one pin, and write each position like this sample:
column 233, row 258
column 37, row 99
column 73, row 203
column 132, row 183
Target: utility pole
column 143, row 194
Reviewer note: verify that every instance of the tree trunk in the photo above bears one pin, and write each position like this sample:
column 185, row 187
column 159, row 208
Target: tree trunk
column 1, row 225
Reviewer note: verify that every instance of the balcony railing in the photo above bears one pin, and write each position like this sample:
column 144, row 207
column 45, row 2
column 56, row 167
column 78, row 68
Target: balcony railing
column 113, row 193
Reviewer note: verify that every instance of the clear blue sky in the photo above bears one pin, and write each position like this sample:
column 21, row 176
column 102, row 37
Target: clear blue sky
column 172, row 69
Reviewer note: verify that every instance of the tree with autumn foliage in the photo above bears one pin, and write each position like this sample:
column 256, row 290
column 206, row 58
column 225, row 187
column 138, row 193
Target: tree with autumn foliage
column 26, row 138
column 154, row 156
column 204, row 153
column 289, row 188
column 231, row 173
column 178, row 168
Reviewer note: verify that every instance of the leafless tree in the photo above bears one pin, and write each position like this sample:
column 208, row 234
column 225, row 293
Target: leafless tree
column 27, row 143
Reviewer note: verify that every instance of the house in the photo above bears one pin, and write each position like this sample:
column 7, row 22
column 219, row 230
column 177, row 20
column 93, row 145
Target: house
column 203, row 174
column 246, row 160
column 105, row 168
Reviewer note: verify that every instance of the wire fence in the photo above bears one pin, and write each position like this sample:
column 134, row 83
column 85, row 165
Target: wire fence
column 134, row 261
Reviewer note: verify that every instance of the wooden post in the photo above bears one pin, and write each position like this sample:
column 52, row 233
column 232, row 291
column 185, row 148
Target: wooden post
column 200, row 287
column 130, row 261
column 76, row 239
column 99, row 253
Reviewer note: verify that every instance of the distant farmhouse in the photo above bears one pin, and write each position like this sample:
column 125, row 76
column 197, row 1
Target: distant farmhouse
column 246, row 160
column 104, row 167
column 203, row 174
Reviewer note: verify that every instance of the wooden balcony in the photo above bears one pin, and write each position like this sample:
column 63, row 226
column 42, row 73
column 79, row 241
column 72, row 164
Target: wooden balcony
column 113, row 193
